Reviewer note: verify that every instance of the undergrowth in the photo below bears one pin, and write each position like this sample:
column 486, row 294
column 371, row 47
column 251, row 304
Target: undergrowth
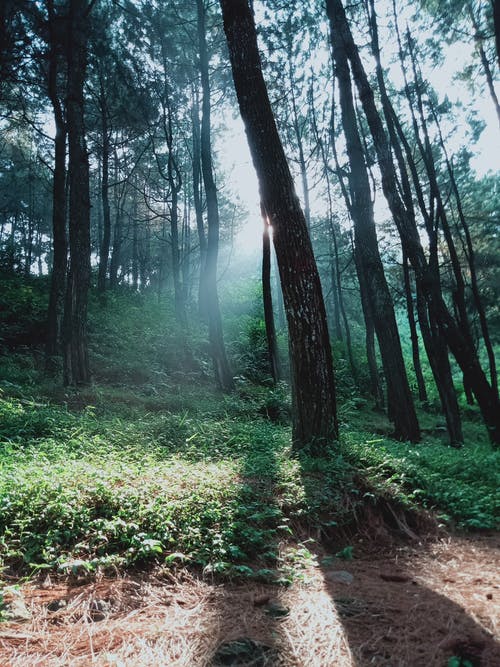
column 461, row 486
column 95, row 489
column 98, row 488
column 151, row 464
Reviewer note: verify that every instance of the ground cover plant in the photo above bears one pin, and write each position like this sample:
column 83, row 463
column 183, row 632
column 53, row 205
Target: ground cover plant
column 155, row 474
column 117, row 476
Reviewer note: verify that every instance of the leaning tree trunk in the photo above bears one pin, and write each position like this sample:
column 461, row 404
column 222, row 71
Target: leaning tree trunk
column 399, row 399
column 313, row 388
column 76, row 364
column 60, row 240
column 222, row 370
column 484, row 58
column 435, row 344
column 471, row 261
column 466, row 358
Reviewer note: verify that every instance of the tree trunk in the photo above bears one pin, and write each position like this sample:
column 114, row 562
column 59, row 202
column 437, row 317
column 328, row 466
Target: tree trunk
column 106, row 214
column 471, row 259
column 116, row 253
column 400, row 401
column 484, row 58
column 60, row 241
column 376, row 389
column 496, row 23
column 175, row 183
column 428, row 158
column 437, row 353
column 313, row 388
column 417, row 366
column 466, row 358
column 76, row 364
column 222, row 370
column 272, row 346
column 300, row 146
column 198, row 207
column 433, row 338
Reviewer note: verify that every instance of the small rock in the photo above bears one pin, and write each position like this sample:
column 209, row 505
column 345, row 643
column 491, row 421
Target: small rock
column 340, row 576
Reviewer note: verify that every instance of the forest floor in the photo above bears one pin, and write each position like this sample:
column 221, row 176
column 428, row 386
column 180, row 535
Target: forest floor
column 433, row 603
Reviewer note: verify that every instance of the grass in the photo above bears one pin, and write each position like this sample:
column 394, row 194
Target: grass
column 95, row 489
column 215, row 486
column 151, row 464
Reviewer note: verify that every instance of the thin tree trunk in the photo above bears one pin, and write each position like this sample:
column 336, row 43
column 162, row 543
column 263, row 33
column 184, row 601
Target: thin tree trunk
column 222, row 370
column 313, row 388
column 371, row 357
column 484, row 59
column 400, row 401
column 466, row 358
column 198, row 207
column 76, row 363
column 471, row 259
column 335, row 265
column 272, row 346
column 186, row 249
column 59, row 233
column 175, row 183
column 116, row 253
column 417, row 366
column 434, row 342
column 428, row 158
column 280, row 308
column 496, row 23
column 374, row 380
column 300, row 147
column 106, row 213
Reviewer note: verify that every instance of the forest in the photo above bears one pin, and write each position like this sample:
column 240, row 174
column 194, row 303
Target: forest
column 249, row 331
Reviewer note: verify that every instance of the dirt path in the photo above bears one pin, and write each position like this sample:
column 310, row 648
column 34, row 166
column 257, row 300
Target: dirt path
column 403, row 607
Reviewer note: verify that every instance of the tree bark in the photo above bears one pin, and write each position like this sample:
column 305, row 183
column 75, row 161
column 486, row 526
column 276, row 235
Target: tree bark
column 59, row 232
column 417, row 366
column 496, row 23
column 483, row 57
column 434, row 343
column 198, row 206
column 76, row 363
column 175, row 183
column 471, row 260
column 272, row 346
column 313, row 388
column 222, row 370
column 106, row 214
column 116, row 253
column 399, row 398
column 466, row 358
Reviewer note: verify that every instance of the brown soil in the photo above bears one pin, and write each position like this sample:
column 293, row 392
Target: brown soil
column 405, row 606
